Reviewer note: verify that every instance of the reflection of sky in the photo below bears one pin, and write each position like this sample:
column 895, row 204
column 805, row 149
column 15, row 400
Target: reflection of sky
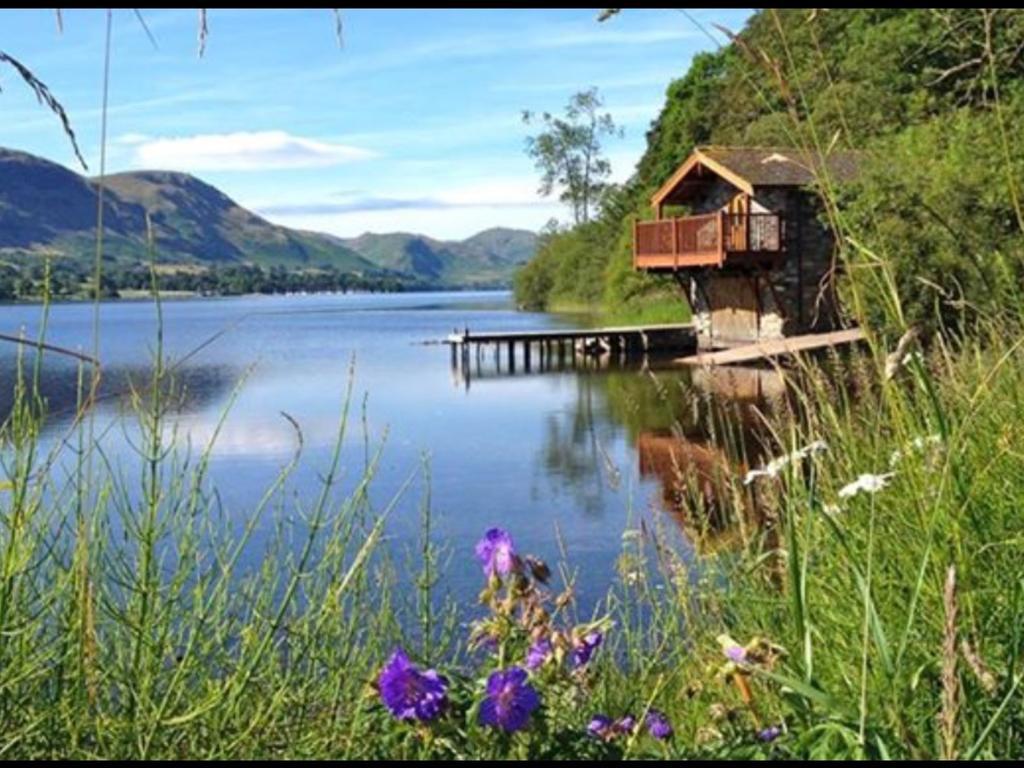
column 535, row 454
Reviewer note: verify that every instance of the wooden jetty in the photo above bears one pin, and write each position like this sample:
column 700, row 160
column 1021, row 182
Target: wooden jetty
column 562, row 347
column 765, row 350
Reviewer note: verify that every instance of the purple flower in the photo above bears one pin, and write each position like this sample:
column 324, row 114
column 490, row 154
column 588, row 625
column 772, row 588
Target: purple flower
column 510, row 700
column 625, row 724
column 658, row 725
column 769, row 734
column 584, row 648
column 736, row 653
column 496, row 552
column 600, row 726
column 538, row 653
column 409, row 693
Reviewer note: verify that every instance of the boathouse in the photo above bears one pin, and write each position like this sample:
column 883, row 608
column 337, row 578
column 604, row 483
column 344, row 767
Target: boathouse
column 740, row 228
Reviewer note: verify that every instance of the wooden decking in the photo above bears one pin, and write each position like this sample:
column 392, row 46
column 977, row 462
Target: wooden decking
column 639, row 333
column 556, row 348
column 766, row 350
column 716, row 239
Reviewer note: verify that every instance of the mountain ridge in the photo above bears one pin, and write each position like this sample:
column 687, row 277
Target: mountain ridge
column 46, row 207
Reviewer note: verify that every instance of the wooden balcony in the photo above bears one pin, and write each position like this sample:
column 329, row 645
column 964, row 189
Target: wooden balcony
column 716, row 239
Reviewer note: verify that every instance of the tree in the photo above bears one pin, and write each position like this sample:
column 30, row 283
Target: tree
column 568, row 152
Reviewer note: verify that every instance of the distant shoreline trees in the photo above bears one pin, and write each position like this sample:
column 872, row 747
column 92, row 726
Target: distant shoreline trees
column 69, row 279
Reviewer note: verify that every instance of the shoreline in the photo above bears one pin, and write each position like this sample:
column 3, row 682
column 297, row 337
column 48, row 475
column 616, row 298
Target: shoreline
column 140, row 296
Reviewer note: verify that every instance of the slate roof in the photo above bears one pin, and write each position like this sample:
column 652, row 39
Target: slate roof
column 782, row 166
column 750, row 167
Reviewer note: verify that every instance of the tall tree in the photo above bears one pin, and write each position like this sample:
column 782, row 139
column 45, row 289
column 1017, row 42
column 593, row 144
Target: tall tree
column 568, row 154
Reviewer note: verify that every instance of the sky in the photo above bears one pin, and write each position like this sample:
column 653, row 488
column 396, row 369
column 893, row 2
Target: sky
column 412, row 124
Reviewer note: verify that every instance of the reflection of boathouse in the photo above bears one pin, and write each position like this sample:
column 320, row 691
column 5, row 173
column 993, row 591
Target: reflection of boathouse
column 756, row 260
column 699, row 473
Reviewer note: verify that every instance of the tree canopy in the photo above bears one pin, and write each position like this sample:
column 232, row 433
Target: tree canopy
column 932, row 94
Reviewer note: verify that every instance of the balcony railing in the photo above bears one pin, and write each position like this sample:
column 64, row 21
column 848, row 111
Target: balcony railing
column 709, row 240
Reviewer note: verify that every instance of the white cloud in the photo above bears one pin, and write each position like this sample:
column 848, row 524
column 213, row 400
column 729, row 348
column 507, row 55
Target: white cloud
column 133, row 138
column 243, row 151
column 452, row 211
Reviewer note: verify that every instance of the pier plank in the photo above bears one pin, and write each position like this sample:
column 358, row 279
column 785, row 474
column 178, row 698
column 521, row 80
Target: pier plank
column 765, row 350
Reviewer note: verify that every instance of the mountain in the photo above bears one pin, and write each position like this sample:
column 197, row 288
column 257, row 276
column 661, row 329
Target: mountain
column 487, row 258
column 45, row 207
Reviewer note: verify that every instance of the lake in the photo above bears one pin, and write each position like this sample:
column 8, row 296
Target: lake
column 570, row 458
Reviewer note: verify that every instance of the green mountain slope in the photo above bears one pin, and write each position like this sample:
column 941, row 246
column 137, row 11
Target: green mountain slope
column 487, row 258
column 45, row 207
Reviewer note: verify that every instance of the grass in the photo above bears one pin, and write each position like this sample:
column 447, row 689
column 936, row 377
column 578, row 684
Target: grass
column 884, row 623
column 129, row 629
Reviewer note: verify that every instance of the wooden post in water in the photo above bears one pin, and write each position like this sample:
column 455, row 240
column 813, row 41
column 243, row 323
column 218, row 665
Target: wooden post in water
column 512, row 357
column 526, row 355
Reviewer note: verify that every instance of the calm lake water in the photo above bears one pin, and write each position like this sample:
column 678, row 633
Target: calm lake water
column 577, row 456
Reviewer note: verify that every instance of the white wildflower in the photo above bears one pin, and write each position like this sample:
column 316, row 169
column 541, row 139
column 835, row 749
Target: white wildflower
column 867, row 482
column 918, row 444
column 776, row 465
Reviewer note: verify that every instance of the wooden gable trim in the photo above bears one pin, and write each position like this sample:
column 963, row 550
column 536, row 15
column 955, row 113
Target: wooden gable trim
column 697, row 157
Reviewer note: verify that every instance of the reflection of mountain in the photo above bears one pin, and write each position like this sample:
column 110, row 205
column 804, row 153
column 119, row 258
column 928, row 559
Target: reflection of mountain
column 187, row 390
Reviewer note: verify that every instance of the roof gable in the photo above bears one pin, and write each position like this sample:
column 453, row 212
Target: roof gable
column 749, row 167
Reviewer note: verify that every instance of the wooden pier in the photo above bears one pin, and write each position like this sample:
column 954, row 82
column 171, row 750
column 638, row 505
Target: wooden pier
column 766, row 350
column 559, row 348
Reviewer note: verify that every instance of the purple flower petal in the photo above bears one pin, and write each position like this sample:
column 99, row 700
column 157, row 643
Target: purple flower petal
column 599, row 726
column 625, row 724
column 410, row 694
column 538, row 653
column 736, row 653
column 769, row 734
column 658, row 725
column 496, row 552
column 510, row 700
column 585, row 647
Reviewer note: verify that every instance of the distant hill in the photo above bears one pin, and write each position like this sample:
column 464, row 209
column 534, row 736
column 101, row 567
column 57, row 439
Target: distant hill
column 489, row 257
column 45, row 207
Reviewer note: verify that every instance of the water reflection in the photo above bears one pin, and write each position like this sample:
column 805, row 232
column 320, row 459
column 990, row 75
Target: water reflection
column 63, row 386
column 563, row 456
column 695, row 432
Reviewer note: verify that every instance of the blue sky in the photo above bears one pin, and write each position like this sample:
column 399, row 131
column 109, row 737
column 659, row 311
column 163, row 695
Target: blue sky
column 413, row 125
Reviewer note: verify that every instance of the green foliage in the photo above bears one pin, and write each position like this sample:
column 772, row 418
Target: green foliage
column 916, row 86
column 936, row 204
column 568, row 153
column 70, row 279
column 568, row 267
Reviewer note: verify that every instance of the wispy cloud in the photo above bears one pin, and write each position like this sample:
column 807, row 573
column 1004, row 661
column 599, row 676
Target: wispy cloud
column 511, row 42
column 502, row 194
column 242, row 151
column 371, row 203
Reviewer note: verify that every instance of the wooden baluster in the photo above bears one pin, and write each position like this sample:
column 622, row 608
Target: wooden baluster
column 675, row 243
column 721, row 237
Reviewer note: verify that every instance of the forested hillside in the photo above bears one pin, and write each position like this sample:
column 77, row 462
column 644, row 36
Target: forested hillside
column 206, row 242
column 935, row 95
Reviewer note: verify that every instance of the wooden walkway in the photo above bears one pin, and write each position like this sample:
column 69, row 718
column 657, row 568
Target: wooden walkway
column 765, row 350
column 637, row 332
column 562, row 344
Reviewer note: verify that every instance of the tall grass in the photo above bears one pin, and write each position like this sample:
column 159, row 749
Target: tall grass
column 873, row 624
column 128, row 627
